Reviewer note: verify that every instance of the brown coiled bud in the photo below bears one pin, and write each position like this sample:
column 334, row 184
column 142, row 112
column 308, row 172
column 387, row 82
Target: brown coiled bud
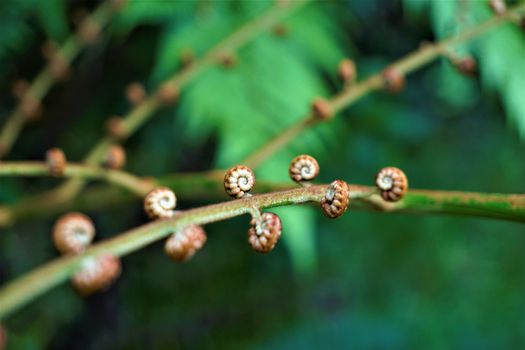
column 56, row 161
column 303, row 168
column 336, row 199
column 59, row 66
column 280, row 30
column 73, row 233
column 393, row 80
column 115, row 157
column 49, row 49
column 96, row 274
column 160, row 203
column 168, row 94
column 347, row 71
column 183, row 244
column 264, row 233
column 392, row 182
column 115, row 128
column 321, row 109
column 238, row 181
column 498, row 6
column 135, row 93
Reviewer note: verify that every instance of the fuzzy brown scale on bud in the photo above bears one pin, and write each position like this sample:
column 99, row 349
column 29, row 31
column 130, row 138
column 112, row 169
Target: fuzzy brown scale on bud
column 73, row 233
column 96, row 274
column 238, row 181
column 20, row 88
column 264, row 233
column 115, row 157
column 168, row 94
column 303, row 168
column 59, row 67
column 227, row 59
column 56, row 161
column 135, row 93
column 89, row 31
column 182, row 245
column 280, row 30
column 392, row 183
column 321, row 109
column 347, row 71
column 393, row 80
column 336, row 199
column 160, row 203
column 49, row 49
column 115, row 128
column 498, row 7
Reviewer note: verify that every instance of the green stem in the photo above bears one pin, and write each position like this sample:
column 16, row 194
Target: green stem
column 26, row 288
column 46, row 79
column 134, row 184
column 406, row 65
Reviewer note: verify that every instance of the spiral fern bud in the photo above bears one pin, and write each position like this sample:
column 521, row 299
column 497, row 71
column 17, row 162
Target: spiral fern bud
column 56, row 161
column 336, row 199
column 168, row 94
column 89, row 31
column 183, row 244
column 115, row 128
column 160, row 203
column 264, row 232
column 393, row 183
column 73, row 233
column 303, row 168
column 96, row 274
column 238, row 181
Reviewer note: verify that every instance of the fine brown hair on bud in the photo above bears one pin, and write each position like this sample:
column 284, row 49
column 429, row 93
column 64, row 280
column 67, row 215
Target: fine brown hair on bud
column 303, row 168
column 498, row 6
column 280, row 30
column 393, row 80
column 49, row 49
column 187, row 57
column 183, row 244
column 115, row 157
column 19, row 88
column 89, row 31
column 321, row 109
column 135, row 93
column 393, row 183
column 336, row 199
column 238, row 181
column 59, row 67
column 96, row 274
column 73, row 233
column 466, row 65
column 160, row 203
column 227, row 59
column 264, row 233
column 115, row 128
column 56, row 161
column 168, row 94
column 347, row 71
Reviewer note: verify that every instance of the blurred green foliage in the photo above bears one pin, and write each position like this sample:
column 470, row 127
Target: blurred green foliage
column 366, row 281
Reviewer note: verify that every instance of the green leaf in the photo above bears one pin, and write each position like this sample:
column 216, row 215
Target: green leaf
column 52, row 16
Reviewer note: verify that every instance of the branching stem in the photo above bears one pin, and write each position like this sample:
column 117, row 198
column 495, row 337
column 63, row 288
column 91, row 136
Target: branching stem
column 349, row 96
